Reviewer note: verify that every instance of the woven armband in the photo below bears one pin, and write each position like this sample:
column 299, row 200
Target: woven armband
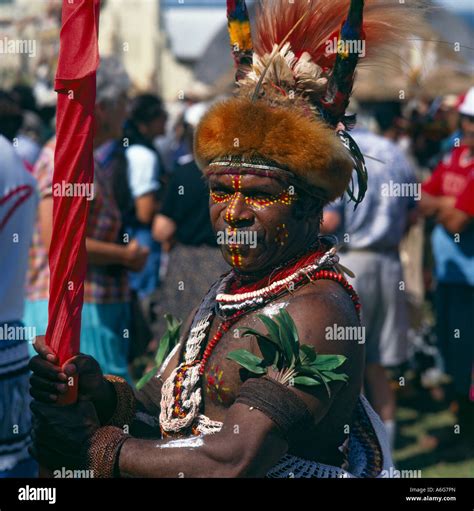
column 103, row 451
column 125, row 409
column 277, row 402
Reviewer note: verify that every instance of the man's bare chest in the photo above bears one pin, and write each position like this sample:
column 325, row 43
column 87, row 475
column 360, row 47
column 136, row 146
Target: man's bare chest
column 222, row 377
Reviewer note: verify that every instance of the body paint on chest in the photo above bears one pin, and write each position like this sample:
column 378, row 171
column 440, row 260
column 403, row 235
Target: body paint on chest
column 216, row 389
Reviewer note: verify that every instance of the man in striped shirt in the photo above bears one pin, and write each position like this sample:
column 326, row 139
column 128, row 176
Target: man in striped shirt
column 18, row 202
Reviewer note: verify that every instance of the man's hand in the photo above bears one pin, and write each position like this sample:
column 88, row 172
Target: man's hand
column 49, row 380
column 135, row 256
column 431, row 205
column 61, row 434
column 452, row 219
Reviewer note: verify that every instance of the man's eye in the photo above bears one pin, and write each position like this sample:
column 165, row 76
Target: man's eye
column 220, row 196
column 261, row 196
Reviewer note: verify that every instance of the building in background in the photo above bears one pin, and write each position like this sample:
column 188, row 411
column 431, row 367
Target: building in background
column 172, row 46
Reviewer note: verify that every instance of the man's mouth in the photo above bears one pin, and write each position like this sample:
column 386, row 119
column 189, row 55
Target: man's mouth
column 238, row 240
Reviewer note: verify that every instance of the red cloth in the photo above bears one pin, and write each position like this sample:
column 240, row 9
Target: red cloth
column 451, row 176
column 73, row 163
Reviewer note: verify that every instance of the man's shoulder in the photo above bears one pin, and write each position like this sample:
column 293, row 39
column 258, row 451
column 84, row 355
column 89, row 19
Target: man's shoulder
column 14, row 172
column 321, row 307
column 325, row 298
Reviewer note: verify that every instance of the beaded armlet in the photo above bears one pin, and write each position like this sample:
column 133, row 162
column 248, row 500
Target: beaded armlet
column 125, row 409
column 104, row 450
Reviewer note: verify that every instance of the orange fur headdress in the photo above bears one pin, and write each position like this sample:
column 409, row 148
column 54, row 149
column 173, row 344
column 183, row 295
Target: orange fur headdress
column 294, row 84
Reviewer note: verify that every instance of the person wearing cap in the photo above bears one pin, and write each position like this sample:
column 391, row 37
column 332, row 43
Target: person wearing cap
column 267, row 376
column 448, row 196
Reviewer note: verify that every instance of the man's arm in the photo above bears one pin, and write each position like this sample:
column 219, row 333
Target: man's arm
column 143, row 181
column 458, row 217
column 99, row 252
column 45, row 215
column 164, row 229
column 132, row 255
column 145, row 207
column 453, row 219
column 430, row 205
column 248, row 445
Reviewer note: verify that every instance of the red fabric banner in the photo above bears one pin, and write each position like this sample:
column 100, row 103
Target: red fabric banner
column 73, row 171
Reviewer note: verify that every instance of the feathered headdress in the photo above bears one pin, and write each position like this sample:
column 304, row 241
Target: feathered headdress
column 294, row 82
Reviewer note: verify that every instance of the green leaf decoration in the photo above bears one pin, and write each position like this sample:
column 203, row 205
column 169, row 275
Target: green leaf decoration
column 335, row 376
column 269, row 350
column 247, row 360
column 305, row 380
column 146, row 378
column 285, row 358
column 328, row 362
column 167, row 343
column 290, row 329
column 324, row 380
column 250, row 331
column 307, row 354
column 271, row 327
column 286, row 342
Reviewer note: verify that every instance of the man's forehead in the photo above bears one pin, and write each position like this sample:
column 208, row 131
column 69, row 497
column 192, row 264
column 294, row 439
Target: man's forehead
column 247, row 181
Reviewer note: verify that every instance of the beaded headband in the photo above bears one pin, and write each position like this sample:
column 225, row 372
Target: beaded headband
column 264, row 167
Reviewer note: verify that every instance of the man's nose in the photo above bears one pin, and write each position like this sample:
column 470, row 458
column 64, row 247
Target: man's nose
column 237, row 214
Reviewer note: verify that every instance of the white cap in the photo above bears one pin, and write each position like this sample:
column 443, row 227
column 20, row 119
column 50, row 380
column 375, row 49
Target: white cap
column 467, row 106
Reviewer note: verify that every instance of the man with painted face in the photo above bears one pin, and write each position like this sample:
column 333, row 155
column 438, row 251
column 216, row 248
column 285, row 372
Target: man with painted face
column 266, row 378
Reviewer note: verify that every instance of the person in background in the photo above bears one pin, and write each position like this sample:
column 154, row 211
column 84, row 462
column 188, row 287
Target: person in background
column 11, row 116
column 106, row 315
column 371, row 236
column 183, row 227
column 18, row 202
column 28, row 143
column 450, row 110
column 448, row 196
column 146, row 121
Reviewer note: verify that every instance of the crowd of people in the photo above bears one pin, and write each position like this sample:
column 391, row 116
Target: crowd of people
column 152, row 250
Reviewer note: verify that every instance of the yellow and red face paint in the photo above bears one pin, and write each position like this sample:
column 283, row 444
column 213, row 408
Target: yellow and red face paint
column 285, row 198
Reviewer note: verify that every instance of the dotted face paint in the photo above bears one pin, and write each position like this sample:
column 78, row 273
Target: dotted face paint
column 282, row 234
column 283, row 198
column 236, row 256
column 230, row 212
column 230, row 218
